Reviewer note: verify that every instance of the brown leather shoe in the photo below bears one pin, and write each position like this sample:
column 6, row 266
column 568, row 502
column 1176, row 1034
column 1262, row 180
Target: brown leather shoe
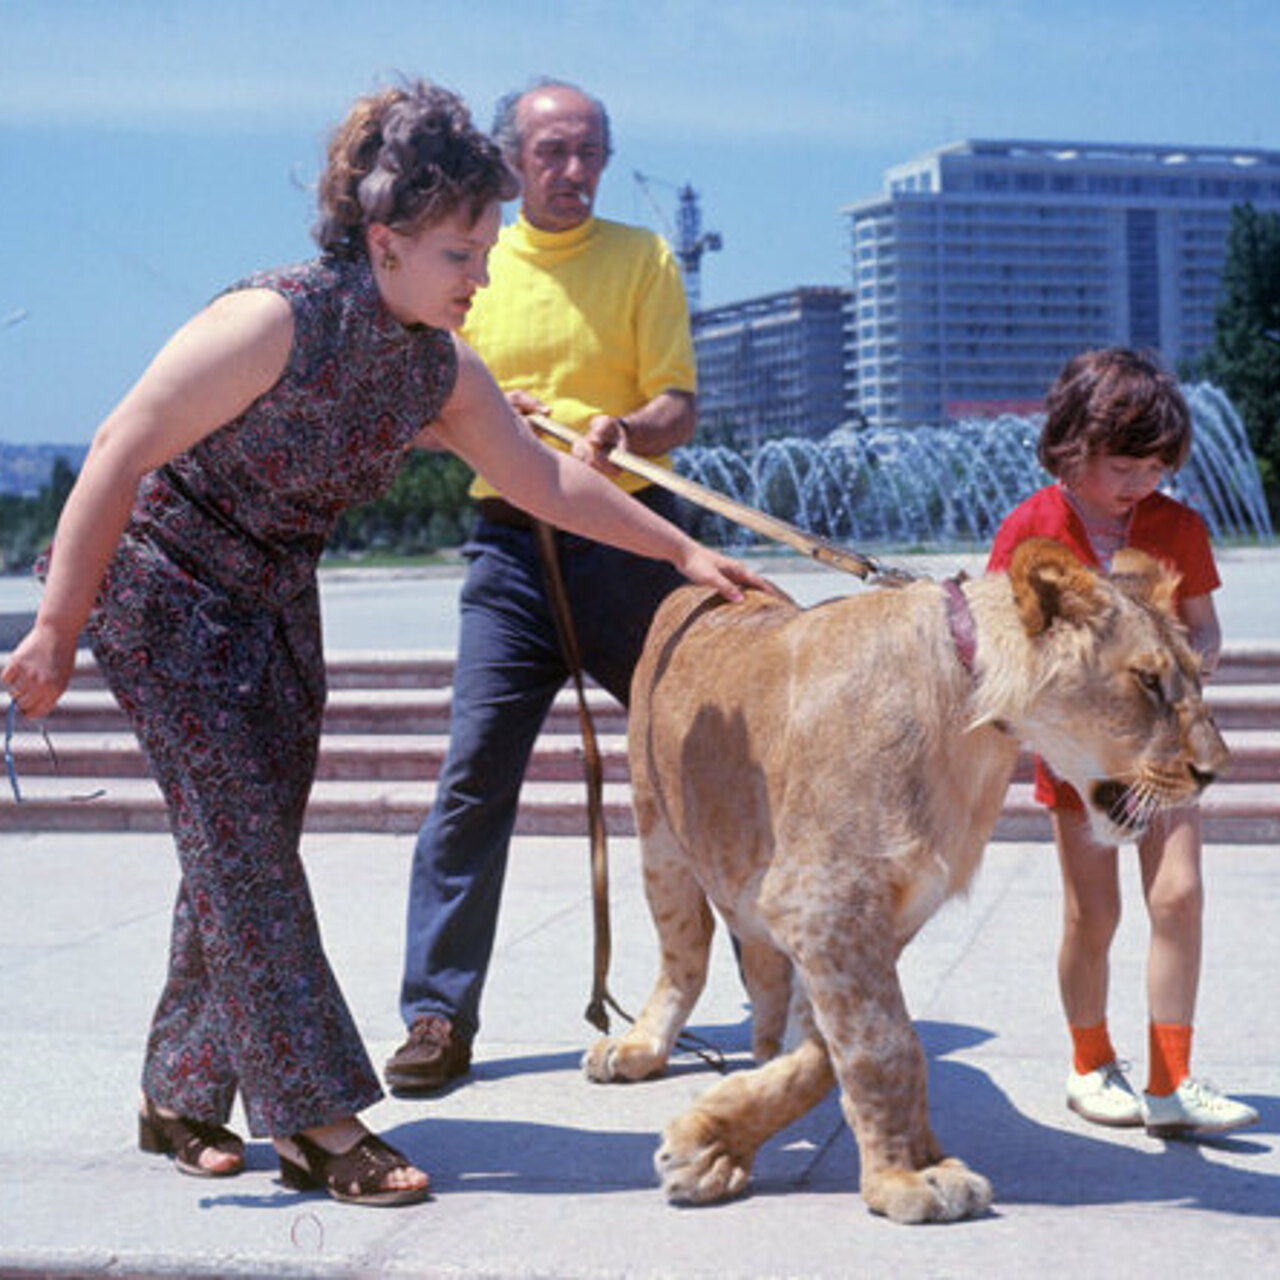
column 433, row 1055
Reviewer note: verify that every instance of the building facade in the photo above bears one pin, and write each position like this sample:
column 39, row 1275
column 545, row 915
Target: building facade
column 985, row 265
column 771, row 366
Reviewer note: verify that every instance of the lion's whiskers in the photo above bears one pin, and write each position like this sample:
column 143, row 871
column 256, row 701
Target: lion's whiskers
column 1145, row 797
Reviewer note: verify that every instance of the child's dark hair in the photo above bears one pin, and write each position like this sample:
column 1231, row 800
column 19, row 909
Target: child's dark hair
column 1118, row 401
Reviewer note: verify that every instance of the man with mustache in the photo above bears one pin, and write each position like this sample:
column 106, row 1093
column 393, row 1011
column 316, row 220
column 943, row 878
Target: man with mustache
column 584, row 319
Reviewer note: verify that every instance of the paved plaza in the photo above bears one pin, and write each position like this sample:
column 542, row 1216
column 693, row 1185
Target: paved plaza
column 537, row 1172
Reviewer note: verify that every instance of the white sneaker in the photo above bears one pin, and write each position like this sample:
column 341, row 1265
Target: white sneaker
column 1104, row 1096
column 1195, row 1107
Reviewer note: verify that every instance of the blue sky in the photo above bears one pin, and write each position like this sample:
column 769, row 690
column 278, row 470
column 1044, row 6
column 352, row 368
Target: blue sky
column 151, row 152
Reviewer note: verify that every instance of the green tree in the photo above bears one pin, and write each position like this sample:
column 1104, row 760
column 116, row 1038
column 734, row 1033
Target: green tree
column 54, row 493
column 424, row 510
column 27, row 524
column 1244, row 359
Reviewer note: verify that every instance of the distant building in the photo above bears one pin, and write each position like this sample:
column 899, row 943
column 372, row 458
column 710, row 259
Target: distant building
column 771, row 366
column 985, row 265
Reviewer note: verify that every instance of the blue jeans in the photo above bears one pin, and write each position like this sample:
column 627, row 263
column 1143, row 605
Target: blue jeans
column 509, row 670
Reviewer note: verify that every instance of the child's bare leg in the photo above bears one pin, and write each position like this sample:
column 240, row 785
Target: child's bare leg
column 1090, row 914
column 1169, row 854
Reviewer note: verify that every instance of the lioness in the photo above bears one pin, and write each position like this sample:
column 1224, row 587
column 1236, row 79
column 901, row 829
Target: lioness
column 828, row 777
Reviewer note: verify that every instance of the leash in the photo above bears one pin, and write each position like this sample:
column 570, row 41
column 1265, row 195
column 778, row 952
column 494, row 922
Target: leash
column 597, row 1011
column 863, row 566
column 602, row 999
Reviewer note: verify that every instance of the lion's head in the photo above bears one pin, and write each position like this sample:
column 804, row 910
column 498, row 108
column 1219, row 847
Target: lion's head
column 1111, row 692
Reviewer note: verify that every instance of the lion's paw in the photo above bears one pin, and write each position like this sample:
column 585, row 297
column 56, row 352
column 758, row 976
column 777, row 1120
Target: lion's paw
column 612, row 1058
column 943, row 1192
column 696, row 1163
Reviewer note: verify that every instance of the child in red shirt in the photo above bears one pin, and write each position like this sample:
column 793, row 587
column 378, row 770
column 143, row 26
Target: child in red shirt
column 1116, row 424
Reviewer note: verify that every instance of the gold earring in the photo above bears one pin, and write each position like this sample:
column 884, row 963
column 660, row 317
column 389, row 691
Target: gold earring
column 389, row 260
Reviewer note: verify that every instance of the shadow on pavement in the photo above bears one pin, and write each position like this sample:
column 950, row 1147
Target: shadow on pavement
column 1033, row 1163
column 1027, row 1162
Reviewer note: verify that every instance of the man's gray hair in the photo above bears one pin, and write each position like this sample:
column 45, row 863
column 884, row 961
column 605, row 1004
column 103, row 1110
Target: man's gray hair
column 506, row 131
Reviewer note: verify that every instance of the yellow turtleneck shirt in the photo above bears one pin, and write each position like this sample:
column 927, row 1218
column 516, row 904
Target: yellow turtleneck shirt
column 592, row 320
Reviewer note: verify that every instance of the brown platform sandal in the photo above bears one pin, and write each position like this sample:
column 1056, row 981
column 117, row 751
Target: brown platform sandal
column 186, row 1140
column 355, row 1176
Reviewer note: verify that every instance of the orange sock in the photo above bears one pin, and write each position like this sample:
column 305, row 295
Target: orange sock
column 1170, row 1057
column 1092, row 1046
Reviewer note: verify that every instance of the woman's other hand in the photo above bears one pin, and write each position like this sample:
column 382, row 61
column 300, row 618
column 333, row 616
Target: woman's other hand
column 39, row 670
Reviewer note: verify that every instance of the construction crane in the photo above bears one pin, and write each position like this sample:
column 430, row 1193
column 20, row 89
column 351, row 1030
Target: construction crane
column 688, row 239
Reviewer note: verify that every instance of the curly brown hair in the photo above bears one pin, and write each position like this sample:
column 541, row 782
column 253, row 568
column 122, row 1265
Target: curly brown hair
column 1118, row 401
column 406, row 157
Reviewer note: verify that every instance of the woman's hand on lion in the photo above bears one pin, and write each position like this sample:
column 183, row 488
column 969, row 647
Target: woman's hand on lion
column 726, row 575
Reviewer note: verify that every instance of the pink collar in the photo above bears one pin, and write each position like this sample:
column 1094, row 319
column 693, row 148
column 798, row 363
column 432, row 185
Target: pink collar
column 963, row 634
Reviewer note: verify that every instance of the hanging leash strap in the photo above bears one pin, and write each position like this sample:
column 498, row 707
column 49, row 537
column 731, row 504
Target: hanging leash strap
column 602, row 999
column 597, row 1011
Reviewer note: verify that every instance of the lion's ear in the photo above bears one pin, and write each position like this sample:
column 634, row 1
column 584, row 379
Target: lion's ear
column 1144, row 578
column 1050, row 583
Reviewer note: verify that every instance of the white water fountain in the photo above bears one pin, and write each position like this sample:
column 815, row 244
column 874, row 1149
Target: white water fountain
column 954, row 484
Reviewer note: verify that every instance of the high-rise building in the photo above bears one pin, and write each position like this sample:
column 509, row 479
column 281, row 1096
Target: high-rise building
column 771, row 366
column 985, row 265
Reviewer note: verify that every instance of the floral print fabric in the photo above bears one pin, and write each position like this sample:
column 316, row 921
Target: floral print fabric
column 208, row 631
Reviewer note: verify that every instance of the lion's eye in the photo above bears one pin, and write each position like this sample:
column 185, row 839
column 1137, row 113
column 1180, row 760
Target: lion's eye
column 1150, row 681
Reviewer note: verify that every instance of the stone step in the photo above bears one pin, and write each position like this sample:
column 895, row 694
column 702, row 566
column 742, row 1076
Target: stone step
column 1249, row 662
column 348, row 711
column 557, row 757
column 1244, row 662
column 426, row 711
column 1244, row 706
column 1241, row 813
column 386, row 731
column 404, row 757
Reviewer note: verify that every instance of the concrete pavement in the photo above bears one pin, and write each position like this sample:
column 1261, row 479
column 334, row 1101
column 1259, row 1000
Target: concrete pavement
column 537, row 1172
